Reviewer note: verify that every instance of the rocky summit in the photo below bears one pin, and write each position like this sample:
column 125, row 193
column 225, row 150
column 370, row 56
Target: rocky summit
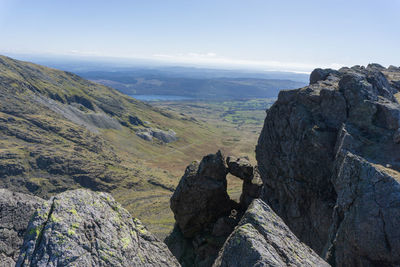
column 325, row 191
column 329, row 158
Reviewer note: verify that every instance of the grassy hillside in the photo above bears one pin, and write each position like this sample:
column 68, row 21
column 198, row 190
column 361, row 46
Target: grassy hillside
column 59, row 131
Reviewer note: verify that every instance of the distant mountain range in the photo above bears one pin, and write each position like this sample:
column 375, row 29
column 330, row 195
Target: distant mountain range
column 159, row 82
column 150, row 78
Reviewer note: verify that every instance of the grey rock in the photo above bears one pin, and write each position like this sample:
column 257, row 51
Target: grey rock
column 240, row 167
column 375, row 66
column 134, row 120
column 181, row 247
column 321, row 156
column 393, row 68
column 15, row 211
column 366, row 230
column 145, row 136
column 163, row 136
column 251, row 189
column 223, row 226
column 321, row 74
column 83, row 228
column 91, row 120
column 262, row 239
column 200, row 197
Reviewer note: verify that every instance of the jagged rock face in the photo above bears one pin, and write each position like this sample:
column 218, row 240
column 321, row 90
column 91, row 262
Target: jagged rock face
column 83, row 228
column 262, row 239
column 15, row 211
column 204, row 213
column 329, row 159
column 366, row 220
column 201, row 195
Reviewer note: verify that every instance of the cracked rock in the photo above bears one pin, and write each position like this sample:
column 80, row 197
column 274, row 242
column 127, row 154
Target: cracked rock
column 83, row 228
column 329, row 158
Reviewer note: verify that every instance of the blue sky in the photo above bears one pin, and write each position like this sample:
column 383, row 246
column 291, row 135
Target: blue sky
column 256, row 34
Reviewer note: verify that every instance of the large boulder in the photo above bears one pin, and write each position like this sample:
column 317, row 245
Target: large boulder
column 240, row 167
column 83, row 228
column 321, row 74
column 262, row 239
column 15, row 212
column 201, row 196
column 329, row 159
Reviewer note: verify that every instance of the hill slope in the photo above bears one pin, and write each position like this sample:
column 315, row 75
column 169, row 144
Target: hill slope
column 59, row 131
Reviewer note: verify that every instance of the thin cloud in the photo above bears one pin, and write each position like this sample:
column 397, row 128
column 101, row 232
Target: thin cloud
column 215, row 60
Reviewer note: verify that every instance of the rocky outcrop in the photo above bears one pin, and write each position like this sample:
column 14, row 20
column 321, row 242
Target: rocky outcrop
column 83, row 228
column 240, row 167
column 329, row 159
column 15, row 211
column 204, row 213
column 163, row 136
column 262, row 239
column 252, row 183
column 201, row 195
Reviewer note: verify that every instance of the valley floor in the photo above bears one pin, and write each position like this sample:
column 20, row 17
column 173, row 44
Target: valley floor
column 232, row 126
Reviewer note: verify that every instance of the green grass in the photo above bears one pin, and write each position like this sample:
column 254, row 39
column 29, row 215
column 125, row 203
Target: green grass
column 56, row 154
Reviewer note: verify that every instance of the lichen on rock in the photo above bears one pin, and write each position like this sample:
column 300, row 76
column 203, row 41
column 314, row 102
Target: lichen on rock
column 83, row 228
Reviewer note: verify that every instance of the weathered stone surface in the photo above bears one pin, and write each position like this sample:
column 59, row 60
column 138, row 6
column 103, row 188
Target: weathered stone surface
column 262, row 239
column 163, row 136
column 204, row 214
column 327, row 155
column 181, row 247
column 240, row 167
column 251, row 189
column 201, row 197
column 321, row 74
column 15, row 211
column 365, row 229
column 83, row 228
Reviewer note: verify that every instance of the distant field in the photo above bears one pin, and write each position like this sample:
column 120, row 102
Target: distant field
column 200, row 86
column 237, row 124
column 247, row 115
